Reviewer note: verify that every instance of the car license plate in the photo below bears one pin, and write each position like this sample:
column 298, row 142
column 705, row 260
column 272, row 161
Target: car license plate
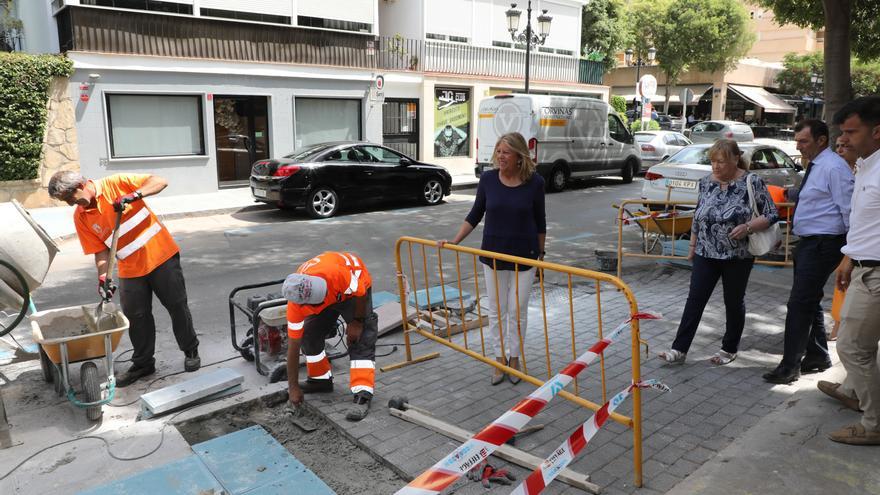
column 260, row 193
column 684, row 184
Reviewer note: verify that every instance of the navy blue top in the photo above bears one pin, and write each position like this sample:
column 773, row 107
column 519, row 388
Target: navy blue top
column 514, row 217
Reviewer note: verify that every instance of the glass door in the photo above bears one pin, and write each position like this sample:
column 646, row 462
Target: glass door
column 241, row 136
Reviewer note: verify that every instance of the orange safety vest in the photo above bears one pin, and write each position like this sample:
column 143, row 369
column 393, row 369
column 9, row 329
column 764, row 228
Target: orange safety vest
column 144, row 243
column 346, row 277
column 777, row 194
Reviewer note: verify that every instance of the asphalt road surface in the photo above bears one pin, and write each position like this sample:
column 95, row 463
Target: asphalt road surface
column 222, row 252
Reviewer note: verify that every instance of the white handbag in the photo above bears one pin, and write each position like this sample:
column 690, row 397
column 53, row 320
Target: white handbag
column 761, row 243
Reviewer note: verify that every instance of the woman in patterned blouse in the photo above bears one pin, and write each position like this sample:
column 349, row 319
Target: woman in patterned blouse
column 719, row 248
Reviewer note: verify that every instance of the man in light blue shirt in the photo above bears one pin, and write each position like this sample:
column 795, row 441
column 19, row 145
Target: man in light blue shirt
column 821, row 221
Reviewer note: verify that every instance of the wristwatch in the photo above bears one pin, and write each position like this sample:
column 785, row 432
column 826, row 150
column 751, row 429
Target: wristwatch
column 749, row 228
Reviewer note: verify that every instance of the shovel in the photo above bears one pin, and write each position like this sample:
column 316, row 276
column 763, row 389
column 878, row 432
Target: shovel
column 99, row 318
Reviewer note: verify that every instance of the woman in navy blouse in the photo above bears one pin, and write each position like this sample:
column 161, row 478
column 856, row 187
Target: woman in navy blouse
column 511, row 196
column 719, row 248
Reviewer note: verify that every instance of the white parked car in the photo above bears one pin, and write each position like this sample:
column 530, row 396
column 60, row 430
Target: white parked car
column 677, row 177
column 713, row 130
column 656, row 146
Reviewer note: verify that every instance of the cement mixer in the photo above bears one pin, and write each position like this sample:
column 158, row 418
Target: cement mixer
column 26, row 251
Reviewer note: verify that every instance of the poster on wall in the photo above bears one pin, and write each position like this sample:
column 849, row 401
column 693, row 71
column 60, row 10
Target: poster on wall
column 452, row 122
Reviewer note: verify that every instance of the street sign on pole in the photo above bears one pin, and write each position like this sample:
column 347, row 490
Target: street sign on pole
column 686, row 96
column 647, row 89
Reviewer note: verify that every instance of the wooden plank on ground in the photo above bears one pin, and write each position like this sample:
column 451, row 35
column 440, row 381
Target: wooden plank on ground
column 505, row 452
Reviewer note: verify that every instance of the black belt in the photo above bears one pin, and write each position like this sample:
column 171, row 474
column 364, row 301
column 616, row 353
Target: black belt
column 823, row 236
column 866, row 263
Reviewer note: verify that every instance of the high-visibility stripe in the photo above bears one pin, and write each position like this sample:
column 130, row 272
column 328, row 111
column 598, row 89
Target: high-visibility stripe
column 140, row 242
column 553, row 122
column 295, row 329
column 318, row 366
column 132, row 222
column 351, row 260
column 487, row 115
column 316, row 358
column 362, row 375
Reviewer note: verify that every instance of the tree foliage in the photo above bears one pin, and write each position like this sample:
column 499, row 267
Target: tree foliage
column 703, row 35
column 642, row 23
column 794, row 79
column 24, row 92
column 603, row 31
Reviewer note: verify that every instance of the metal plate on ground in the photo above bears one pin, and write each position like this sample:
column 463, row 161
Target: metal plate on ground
column 252, row 461
column 187, row 392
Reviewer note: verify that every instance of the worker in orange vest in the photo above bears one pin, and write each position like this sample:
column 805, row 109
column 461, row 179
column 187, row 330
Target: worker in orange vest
column 148, row 260
column 328, row 286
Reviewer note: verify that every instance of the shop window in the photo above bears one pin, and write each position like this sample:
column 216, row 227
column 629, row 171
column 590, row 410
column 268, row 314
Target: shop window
column 155, row 125
column 246, row 16
column 152, row 5
column 320, row 22
column 319, row 120
column 452, row 122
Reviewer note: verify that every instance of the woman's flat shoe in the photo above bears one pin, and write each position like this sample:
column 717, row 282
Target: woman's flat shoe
column 673, row 357
column 514, row 379
column 496, row 379
column 723, row 357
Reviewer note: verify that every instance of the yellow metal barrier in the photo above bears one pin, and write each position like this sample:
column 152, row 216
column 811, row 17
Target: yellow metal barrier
column 440, row 328
column 673, row 219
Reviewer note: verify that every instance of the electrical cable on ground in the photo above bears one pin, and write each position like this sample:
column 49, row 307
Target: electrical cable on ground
column 107, row 444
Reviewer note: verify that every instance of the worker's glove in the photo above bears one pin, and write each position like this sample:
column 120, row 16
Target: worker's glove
column 121, row 201
column 106, row 288
column 492, row 475
column 476, row 472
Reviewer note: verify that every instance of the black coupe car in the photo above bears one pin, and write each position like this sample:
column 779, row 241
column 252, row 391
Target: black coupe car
column 321, row 177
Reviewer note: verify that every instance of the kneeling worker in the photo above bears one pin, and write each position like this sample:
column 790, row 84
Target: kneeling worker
column 327, row 286
column 149, row 260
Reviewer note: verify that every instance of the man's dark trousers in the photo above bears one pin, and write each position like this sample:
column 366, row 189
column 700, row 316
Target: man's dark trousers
column 166, row 281
column 815, row 259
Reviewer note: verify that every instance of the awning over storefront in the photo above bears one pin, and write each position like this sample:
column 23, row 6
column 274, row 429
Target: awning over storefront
column 764, row 99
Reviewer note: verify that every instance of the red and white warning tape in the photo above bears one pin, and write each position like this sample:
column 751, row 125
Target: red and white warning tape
column 480, row 446
column 565, row 453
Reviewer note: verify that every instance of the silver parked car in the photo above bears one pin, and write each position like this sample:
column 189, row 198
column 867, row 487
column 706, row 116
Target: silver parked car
column 677, row 177
column 656, row 146
column 713, row 130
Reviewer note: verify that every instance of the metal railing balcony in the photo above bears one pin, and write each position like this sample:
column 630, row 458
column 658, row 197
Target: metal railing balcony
column 88, row 29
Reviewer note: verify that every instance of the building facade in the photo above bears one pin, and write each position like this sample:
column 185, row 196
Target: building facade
column 197, row 90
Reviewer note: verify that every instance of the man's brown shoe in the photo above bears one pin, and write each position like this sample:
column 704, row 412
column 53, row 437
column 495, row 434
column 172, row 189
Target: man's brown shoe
column 831, row 389
column 855, row 435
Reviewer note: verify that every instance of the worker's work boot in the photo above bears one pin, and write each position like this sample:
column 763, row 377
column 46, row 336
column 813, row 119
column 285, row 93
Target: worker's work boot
column 361, row 406
column 192, row 361
column 134, row 374
column 316, row 385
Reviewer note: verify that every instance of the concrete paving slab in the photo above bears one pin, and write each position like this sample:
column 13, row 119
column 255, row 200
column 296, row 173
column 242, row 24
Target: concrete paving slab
column 788, row 451
column 188, row 475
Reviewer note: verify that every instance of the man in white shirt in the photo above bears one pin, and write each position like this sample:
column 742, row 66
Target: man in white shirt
column 859, row 275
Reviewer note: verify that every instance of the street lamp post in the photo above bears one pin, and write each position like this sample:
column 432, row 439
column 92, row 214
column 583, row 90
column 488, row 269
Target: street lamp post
column 816, row 81
column 528, row 36
column 628, row 60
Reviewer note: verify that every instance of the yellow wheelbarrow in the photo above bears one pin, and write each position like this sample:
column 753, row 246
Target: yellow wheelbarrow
column 65, row 337
column 658, row 225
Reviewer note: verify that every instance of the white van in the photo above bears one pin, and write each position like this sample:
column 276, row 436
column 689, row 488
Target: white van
column 568, row 136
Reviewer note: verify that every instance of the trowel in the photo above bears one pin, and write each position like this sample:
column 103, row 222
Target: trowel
column 104, row 317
